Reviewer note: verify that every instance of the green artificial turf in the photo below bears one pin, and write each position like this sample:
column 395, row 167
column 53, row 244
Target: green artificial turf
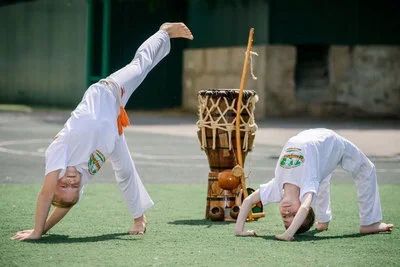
column 94, row 233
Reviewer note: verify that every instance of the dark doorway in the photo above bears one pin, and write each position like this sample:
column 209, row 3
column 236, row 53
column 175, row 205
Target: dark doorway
column 312, row 71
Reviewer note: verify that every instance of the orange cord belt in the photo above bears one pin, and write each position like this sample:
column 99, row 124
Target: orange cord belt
column 122, row 120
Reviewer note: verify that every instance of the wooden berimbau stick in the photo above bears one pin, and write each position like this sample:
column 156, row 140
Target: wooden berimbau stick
column 243, row 82
column 238, row 170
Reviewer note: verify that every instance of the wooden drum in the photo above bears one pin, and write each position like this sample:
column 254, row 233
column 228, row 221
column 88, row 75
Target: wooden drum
column 217, row 136
column 217, row 118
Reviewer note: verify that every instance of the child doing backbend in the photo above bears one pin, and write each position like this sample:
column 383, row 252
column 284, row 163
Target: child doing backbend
column 302, row 185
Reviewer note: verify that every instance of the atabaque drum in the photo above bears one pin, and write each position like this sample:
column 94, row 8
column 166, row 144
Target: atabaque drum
column 217, row 126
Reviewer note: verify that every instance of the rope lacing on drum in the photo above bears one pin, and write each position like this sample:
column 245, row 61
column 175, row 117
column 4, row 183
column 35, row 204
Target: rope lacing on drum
column 208, row 107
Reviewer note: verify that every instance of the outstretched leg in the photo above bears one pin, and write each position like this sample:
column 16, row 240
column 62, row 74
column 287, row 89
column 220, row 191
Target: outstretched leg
column 364, row 176
column 133, row 191
column 148, row 55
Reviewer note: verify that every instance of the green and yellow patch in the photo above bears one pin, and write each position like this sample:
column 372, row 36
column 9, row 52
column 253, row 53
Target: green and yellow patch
column 96, row 160
column 292, row 158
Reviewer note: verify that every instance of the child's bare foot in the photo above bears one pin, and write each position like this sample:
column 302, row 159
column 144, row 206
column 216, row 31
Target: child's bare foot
column 321, row 226
column 375, row 228
column 138, row 226
column 177, row 30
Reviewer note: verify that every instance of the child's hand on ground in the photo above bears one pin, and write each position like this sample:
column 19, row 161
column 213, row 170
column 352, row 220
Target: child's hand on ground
column 26, row 235
column 321, row 226
column 284, row 237
column 246, row 233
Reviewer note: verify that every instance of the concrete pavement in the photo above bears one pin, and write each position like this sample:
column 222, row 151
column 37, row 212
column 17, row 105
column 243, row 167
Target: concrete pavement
column 377, row 138
column 165, row 148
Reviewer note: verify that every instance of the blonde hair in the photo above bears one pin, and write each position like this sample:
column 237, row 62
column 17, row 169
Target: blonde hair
column 61, row 203
column 308, row 222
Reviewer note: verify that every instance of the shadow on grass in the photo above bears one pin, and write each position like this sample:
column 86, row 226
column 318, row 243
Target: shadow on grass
column 311, row 236
column 199, row 222
column 54, row 238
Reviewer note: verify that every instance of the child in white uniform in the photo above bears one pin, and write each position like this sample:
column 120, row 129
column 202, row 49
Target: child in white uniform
column 94, row 133
column 302, row 180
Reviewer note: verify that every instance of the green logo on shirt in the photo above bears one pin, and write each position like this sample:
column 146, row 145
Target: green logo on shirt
column 96, row 160
column 292, row 158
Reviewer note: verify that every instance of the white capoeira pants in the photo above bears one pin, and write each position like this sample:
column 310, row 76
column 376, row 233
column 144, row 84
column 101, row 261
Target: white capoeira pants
column 126, row 80
column 364, row 175
column 363, row 172
column 128, row 180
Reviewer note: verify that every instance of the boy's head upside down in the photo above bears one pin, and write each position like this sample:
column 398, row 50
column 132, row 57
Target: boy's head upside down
column 288, row 208
column 67, row 190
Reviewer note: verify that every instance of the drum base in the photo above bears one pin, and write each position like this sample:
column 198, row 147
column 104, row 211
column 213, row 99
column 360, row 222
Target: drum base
column 219, row 201
column 223, row 205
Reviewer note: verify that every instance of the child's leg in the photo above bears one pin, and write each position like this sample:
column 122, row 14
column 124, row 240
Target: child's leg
column 364, row 176
column 135, row 194
column 149, row 54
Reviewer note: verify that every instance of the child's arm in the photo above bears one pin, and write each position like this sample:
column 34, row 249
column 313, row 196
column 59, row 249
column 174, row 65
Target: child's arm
column 244, row 211
column 297, row 220
column 55, row 217
column 42, row 208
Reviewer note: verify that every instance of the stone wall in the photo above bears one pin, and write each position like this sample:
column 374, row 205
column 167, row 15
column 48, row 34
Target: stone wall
column 369, row 83
column 219, row 68
column 363, row 80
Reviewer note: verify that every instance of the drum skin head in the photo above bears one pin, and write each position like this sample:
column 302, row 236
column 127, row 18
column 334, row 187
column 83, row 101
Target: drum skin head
column 230, row 94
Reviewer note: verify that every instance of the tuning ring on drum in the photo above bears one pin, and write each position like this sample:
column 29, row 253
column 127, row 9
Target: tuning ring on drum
column 234, row 212
column 217, row 214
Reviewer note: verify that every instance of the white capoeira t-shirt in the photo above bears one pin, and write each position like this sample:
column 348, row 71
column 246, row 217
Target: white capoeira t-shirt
column 89, row 135
column 305, row 161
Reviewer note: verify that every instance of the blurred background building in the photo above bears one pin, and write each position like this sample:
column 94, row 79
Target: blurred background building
column 316, row 57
